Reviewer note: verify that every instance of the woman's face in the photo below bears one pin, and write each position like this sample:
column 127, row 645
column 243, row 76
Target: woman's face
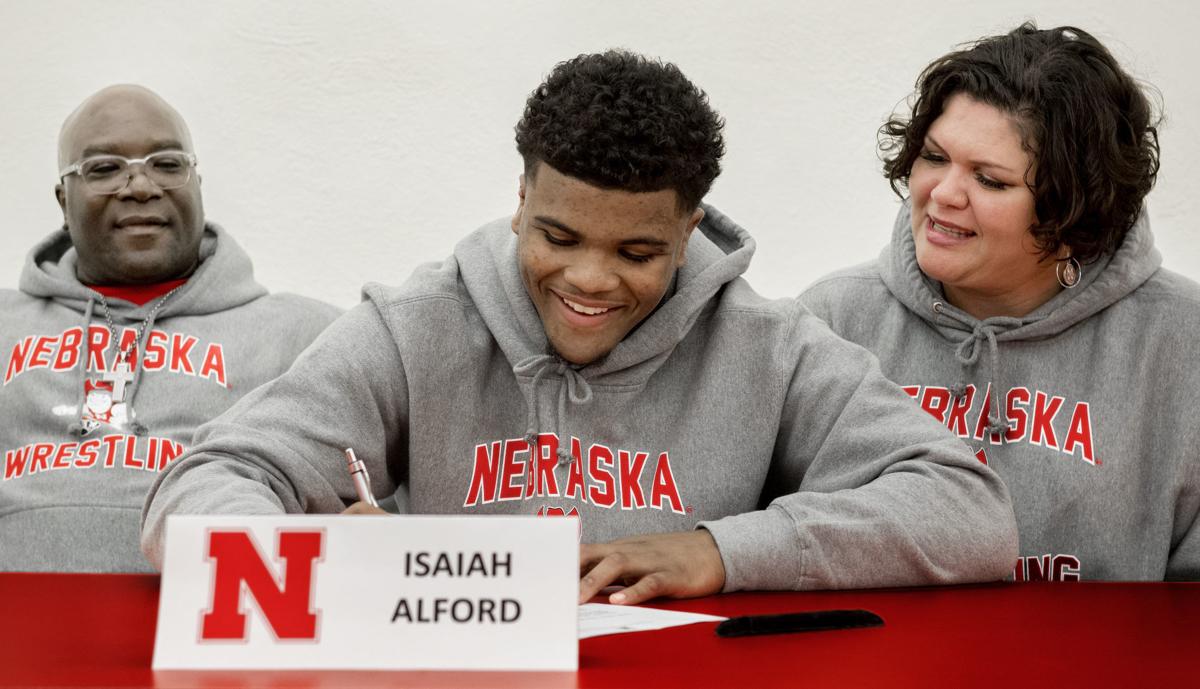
column 972, row 210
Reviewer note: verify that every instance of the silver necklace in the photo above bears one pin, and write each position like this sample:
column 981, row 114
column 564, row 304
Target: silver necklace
column 121, row 372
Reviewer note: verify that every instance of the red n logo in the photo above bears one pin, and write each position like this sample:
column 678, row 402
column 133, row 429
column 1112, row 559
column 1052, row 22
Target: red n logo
column 287, row 606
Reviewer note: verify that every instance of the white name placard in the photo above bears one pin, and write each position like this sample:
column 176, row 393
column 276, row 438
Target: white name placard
column 369, row 592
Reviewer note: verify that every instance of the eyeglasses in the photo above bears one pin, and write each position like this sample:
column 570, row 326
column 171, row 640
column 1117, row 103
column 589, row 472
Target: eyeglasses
column 108, row 174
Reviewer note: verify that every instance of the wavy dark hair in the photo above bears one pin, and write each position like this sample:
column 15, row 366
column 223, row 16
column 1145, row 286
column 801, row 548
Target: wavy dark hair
column 619, row 120
column 1088, row 125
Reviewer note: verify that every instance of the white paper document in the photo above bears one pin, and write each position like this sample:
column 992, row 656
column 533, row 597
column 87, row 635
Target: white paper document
column 598, row 619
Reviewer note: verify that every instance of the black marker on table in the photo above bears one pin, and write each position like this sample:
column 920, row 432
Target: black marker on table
column 816, row 621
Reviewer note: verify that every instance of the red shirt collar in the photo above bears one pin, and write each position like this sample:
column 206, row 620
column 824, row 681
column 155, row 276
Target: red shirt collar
column 138, row 294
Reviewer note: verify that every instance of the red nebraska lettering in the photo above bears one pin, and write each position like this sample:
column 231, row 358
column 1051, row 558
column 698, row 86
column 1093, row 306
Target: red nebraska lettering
column 40, row 357
column 14, row 462
column 156, row 351
column 484, row 474
column 16, row 360
column 38, row 457
column 130, row 461
column 62, row 456
column 981, row 424
column 213, row 367
column 239, row 566
column 1037, row 568
column 68, row 350
column 181, row 349
column 958, row 414
column 664, row 488
column 541, row 472
column 575, row 471
column 1030, row 417
column 1044, row 410
column 1079, row 433
column 168, row 450
column 511, row 468
column 604, row 494
column 110, row 449
column 1047, row 567
column 98, row 341
column 41, row 457
column 631, row 479
column 128, row 343
column 936, row 401
column 87, row 454
column 1065, row 568
column 1018, row 402
column 500, row 467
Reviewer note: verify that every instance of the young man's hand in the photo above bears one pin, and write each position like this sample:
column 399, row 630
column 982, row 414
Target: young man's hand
column 363, row 508
column 675, row 565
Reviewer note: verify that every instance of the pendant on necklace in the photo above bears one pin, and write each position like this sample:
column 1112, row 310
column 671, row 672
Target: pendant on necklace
column 120, row 375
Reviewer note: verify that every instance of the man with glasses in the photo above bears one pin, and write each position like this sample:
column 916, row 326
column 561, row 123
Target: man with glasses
column 133, row 324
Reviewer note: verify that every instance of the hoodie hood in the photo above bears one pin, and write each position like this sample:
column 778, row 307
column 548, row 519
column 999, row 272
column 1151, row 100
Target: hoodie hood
column 1103, row 283
column 224, row 279
column 717, row 252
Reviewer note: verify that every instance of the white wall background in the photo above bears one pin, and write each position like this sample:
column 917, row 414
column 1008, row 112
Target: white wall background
column 349, row 141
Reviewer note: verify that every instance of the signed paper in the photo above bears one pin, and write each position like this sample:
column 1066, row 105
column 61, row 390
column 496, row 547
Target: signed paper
column 598, row 619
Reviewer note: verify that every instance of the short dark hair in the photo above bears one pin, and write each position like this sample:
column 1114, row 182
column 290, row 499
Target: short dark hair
column 619, row 120
column 1088, row 124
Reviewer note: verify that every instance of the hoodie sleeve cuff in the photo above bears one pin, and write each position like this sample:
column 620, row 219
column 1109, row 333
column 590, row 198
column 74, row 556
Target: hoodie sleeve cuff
column 760, row 551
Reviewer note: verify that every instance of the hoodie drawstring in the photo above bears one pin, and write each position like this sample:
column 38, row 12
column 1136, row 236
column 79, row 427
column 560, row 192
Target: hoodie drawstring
column 967, row 354
column 138, row 428
column 574, row 387
column 75, row 427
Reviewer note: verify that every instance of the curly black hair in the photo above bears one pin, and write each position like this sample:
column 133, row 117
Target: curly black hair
column 619, row 120
column 1088, row 125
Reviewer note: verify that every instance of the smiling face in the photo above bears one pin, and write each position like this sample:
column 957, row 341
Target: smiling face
column 595, row 261
column 972, row 211
column 141, row 234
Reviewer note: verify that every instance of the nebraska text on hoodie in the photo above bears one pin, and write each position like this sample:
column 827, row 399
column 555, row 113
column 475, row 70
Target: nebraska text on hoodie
column 77, row 464
column 721, row 409
column 1092, row 398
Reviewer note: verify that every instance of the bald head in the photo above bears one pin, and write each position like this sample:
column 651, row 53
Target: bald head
column 138, row 232
column 106, row 107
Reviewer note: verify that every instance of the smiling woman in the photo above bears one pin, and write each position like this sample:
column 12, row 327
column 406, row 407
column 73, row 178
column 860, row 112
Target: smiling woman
column 972, row 210
column 1021, row 301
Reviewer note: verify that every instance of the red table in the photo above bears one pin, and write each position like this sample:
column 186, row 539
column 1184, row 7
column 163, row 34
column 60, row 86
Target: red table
column 75, row 630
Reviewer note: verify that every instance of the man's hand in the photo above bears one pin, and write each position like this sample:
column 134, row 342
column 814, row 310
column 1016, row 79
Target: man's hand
column 363, row 508
column 676, row 565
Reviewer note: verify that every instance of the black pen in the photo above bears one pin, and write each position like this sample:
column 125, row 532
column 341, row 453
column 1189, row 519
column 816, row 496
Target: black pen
column 815, row 621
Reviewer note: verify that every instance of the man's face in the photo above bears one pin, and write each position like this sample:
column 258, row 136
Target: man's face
column 141, row 234
column 596, row 261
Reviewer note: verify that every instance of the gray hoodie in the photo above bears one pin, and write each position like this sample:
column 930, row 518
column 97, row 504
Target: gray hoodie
column 1092, row 421
column 722, row 409
column 76, row 464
